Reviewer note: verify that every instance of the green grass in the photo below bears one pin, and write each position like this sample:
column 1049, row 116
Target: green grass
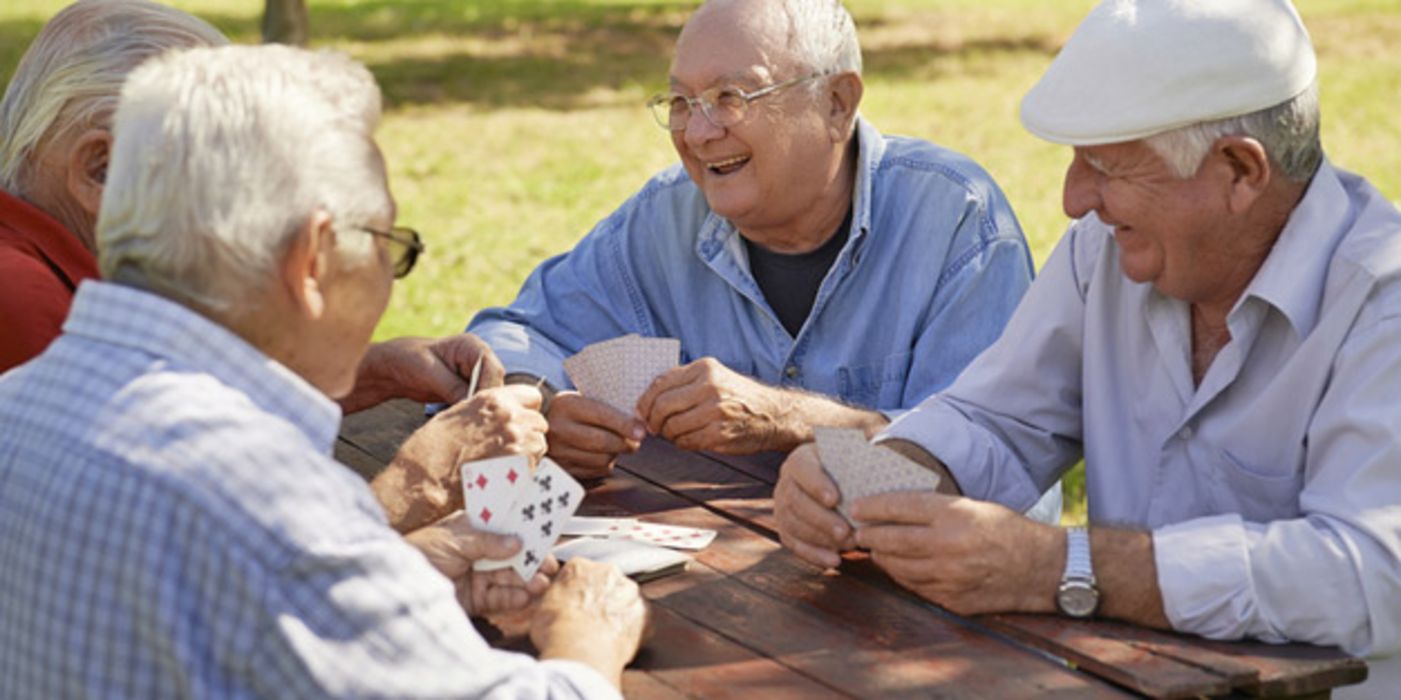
column 513, row 125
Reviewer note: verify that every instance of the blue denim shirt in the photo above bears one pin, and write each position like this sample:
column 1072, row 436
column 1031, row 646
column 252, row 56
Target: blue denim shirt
column 934, row 265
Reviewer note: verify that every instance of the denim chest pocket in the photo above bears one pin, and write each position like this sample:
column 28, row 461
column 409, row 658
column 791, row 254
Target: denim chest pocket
column 1258, row 492
column 878, row 385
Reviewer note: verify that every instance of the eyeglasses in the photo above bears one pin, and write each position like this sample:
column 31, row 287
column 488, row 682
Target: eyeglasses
column 722, row 106
column 404, row 247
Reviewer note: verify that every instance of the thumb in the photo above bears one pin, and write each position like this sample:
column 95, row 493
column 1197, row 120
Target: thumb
column 487, row 545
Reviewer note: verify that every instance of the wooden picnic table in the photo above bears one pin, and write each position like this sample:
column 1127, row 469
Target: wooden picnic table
column 749, row 619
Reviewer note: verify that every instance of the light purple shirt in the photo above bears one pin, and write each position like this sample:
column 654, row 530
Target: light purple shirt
column 1273, row 489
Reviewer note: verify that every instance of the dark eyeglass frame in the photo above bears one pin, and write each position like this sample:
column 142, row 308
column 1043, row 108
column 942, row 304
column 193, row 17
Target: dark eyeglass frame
column 405, row 245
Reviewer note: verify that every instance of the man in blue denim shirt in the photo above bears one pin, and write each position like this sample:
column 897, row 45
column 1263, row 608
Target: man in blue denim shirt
column 776, row 165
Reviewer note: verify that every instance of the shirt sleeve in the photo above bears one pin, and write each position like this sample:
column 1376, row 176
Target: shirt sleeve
column 583, row 296
column 1333, row 575
column 33, row 304
column 1009, row 426
column 373, row 619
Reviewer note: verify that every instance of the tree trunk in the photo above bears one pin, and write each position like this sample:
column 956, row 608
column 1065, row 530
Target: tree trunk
column 286, row 22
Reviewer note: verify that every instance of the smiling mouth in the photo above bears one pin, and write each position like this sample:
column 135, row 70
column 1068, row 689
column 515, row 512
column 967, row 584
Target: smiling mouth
column 727, row 166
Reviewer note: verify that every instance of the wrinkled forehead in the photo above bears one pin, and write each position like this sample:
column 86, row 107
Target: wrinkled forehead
column 744, row 42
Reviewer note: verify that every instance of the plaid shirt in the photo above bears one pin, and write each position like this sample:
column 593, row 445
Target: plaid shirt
column 172, row 525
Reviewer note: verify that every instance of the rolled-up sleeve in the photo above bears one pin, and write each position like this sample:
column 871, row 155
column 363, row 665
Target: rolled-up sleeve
column 583, row 296
column 1333, row 575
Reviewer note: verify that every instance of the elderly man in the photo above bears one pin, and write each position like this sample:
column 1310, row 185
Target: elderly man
column 54, row 150
column 815, row 271
column 54, row 144
column 171, row 519
column 1218, row 336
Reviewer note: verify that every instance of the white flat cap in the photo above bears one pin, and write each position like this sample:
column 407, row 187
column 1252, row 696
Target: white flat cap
column 1135, row 68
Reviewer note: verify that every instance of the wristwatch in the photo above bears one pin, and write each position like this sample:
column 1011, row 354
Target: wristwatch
column 1077, row 596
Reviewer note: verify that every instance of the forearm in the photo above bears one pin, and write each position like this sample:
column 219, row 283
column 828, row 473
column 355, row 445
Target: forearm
column 372, row 385
column 409, row 496
column 1127, row 575
column 799, row 411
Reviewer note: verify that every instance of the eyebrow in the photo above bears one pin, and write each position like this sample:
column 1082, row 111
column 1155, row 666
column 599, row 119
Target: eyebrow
column 738, row 76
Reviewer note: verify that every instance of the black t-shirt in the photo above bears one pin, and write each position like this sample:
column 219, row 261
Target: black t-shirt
column 790, row 282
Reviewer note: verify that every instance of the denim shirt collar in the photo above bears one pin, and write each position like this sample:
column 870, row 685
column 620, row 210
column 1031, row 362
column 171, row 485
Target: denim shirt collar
column 1293, row 275
column 162, row 328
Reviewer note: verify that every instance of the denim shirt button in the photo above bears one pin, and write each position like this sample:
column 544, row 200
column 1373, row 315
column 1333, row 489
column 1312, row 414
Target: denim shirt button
column 791, row 372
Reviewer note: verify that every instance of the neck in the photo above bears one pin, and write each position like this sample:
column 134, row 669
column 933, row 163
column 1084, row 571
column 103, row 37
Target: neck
column 69, row 214
column 815, row 225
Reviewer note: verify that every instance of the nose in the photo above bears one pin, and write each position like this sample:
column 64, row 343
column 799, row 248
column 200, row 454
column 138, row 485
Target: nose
column 1081, row 193
column 699, row 130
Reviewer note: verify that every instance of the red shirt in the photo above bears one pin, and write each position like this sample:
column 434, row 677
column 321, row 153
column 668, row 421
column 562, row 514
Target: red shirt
column 41, row 264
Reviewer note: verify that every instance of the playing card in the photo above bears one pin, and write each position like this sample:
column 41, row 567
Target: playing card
column 639, row 560
column 540, row 515
column 861, row 469
column 618, row 371
column 593, row 525
column 674, row 536
column 490, row 487
column 476, row 377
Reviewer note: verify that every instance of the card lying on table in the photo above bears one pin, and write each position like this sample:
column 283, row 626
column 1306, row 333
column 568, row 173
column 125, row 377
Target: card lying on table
column 503, row 495
column 618, row 371
column 861, row 469
column 643, row 562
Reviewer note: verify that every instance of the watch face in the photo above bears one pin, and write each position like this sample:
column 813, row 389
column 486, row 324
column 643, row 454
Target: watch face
column 1077, row 598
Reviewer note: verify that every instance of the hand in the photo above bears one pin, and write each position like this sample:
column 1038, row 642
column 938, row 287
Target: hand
column 707, row 406
column 592, row 614
column 422, row 483
column 452, row 545
column 587, row 435
column 422, row 369
column 804, row 503
column 968, row 556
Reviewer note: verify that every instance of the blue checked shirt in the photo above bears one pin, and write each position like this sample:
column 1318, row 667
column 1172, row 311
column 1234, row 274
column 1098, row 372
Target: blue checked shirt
column 172, row 525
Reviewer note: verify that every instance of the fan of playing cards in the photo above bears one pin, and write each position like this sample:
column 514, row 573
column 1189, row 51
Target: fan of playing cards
column 503, row 495
column 862, row 469
column 618, row 371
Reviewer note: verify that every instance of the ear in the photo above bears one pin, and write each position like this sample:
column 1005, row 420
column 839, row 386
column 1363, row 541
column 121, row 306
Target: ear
column 1249, row 169
column 306, row 263
column 87, row 168
column 844, row 92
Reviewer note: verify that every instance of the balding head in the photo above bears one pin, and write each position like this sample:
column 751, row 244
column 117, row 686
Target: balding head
column 812, row 36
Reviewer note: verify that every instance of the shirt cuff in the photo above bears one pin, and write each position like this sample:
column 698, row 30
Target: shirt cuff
column 1205, row 577
column 970, row 455
column 586, row 682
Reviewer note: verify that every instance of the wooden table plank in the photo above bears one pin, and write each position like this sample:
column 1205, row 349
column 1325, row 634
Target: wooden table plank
column 860, row 640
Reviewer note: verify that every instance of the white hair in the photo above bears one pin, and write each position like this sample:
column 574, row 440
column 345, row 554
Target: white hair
column 221, row 154
column 822, row 36
column 1288, row 131
column 69, row 77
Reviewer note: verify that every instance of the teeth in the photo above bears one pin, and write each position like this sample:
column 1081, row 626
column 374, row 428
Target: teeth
column 727, row 162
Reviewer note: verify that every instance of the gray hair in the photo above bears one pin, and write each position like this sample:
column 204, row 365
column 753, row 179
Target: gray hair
column 70, row 75
column 822, row 36
column 1288, row 131
column 221, row 154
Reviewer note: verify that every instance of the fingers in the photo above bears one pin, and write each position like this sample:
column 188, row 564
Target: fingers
column 585, row 436
column 487, row 545
column 898, row 540
column 522, row 394
column 803, row 506
column 459, row 354
column 666, row 381
column 907, row 507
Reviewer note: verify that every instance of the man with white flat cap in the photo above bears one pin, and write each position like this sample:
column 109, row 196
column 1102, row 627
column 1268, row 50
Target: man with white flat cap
column 1218, row 335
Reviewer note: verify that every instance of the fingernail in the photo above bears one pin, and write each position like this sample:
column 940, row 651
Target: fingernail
column 638, row 432
column 839, row 531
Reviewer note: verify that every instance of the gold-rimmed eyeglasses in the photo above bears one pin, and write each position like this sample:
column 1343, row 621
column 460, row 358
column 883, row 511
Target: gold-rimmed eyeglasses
column 722, row 106
column 404, row 247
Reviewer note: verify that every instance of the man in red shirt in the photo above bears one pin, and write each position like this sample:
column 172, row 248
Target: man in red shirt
column 54, row 143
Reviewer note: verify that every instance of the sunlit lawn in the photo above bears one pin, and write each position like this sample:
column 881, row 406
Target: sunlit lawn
column 513, row 125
